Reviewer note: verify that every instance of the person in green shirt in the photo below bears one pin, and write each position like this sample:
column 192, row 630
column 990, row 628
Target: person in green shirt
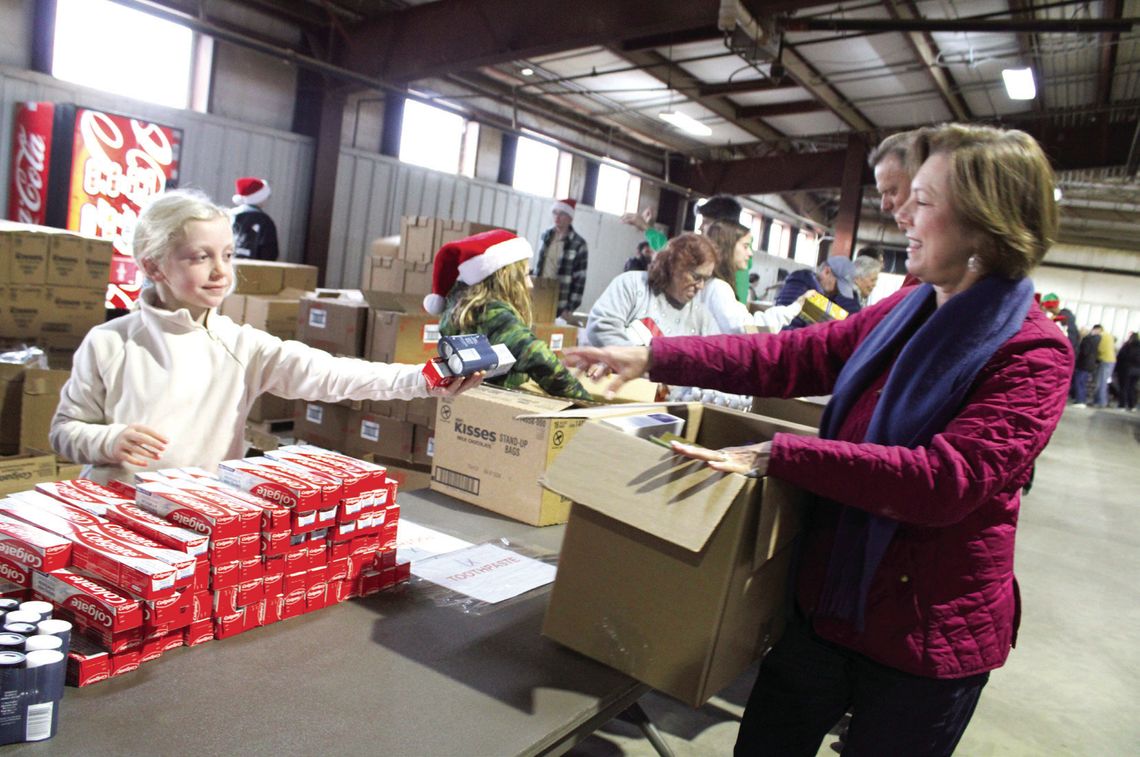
column 480, row 285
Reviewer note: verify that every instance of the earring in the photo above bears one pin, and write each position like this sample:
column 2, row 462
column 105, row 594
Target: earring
column 974, row 264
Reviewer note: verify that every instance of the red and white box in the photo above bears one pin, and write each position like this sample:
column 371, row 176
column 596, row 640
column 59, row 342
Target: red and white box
column 249, row 515
column 15, row 573
column 293, row 604
column 182, row 508
column 33, row 547
column 316, row 597
column 339, row 591
column 48, row 513
column 87, row 663
column 158, row 529
column 126, row 661
column 275, row 543
column 277, row 483
column 122, row 565
column 229, row 625
column 225, row 575
column 198, row 632
column 84, row 493
column 184, row 565
column 173, row 612
column 373, row 474
column 274, row 584
column 353, row 481
column 274, row 517
column 83, row 597
column 152, row 649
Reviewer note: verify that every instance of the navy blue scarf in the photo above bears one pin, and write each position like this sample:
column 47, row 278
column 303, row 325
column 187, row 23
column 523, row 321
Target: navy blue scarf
column 940, row 352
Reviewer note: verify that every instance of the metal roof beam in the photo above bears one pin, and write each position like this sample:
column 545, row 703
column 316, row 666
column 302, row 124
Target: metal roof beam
column 1108, row 42
column 748, row 86
column 794, row 108
column 925, row 49
column 1044, row 25
column 700, row 34
column 779, row 173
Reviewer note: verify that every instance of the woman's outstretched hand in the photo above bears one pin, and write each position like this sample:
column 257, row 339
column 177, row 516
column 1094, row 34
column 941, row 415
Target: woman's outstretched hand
column 622, row 363
column 749, row 460
column 138, row 445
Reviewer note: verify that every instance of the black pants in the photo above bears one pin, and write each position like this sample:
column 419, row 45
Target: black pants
column 806, row 684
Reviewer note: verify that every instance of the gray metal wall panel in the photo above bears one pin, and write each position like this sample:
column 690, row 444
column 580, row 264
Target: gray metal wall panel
column 215, row 150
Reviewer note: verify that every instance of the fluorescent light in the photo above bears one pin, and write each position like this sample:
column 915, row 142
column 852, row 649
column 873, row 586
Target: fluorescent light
column 528, row 71
column 1019, row 83
column 685, row 123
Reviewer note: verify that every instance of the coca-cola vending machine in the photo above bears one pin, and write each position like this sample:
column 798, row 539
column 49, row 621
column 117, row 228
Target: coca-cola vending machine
column 90, row 171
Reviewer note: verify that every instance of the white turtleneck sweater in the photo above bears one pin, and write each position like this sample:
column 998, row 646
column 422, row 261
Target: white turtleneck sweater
column 194, row 383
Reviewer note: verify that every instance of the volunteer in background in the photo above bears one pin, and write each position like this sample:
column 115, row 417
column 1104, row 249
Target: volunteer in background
column 715, row 208
column 834, row 278
column 666, row 295
column 480, row 285
column 942, row 397
column 255, row 234
column 866, row 276
column 733, row 242
column 563, row 256
column 170, row 384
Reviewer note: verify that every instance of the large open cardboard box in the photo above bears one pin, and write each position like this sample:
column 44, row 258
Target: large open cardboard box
column 669, row 571
column 807, row 411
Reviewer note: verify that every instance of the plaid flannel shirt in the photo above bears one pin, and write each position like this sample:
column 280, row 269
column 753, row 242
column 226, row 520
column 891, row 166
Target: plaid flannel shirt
column 571, row 268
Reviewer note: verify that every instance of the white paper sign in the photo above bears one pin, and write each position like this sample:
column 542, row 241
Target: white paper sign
column 485, row 572
column 415, row 542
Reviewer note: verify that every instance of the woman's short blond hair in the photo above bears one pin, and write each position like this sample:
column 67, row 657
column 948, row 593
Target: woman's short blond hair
column 162, row 225
column 508, row 284
column 1002, row 186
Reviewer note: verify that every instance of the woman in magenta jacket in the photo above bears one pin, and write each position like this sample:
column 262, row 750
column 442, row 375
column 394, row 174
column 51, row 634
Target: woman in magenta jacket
column 942, row 397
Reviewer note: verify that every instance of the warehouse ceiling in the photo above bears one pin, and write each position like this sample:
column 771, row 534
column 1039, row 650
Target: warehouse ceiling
column 783, row 89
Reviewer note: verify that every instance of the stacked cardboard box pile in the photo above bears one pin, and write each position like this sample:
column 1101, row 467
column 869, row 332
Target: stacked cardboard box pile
column 29, row 394
column 54, row 284
column 182, row 558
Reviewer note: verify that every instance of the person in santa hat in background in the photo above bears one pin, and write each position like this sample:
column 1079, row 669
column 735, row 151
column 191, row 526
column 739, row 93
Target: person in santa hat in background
column 562, row 255
column 255, row 234
column 480, row 285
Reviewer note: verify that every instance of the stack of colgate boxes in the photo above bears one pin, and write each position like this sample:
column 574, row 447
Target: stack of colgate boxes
column 182, row 557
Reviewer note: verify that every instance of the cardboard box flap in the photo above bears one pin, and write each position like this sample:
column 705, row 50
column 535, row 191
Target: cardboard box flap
column 676, row 499
column 396, row 302
column 529, row 405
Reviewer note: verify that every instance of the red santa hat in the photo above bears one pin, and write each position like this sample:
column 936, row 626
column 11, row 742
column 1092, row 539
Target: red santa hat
column 566, row 206
column 471, row 260
column 251, row 190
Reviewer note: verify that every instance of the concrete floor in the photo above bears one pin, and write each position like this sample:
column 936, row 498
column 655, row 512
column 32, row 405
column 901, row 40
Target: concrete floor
column 1072, row 685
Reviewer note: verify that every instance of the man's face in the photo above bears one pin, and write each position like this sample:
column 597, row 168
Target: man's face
column 893, row 183
column 561, row 221
column 828, row 281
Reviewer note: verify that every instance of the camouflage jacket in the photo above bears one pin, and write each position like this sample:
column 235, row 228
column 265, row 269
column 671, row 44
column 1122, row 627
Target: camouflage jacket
column 534, row 359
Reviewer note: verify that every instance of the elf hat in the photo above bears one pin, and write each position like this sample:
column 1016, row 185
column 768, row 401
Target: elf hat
column 251, row 191
column 471, row 260
column 566, row 206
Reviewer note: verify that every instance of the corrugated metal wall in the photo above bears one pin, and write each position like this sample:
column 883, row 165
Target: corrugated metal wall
column 374, row 192
column 215, row 151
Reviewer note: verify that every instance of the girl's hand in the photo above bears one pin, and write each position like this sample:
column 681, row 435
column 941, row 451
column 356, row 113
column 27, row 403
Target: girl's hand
column 138, row 445
column 455, row 387
column 750, row 460
column 624, row 363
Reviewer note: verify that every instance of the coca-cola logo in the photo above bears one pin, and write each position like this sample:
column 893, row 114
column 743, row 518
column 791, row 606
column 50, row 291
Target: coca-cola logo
column 13, row 574
column 29, row 175
column 275, row 494
column 99, row 591
column 91, row 610
column 191, row 521
column 21, row 554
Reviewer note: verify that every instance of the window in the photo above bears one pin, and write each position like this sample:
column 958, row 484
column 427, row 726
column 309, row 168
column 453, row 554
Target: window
column 779, row 239
column 470, row 150
column 107, row 46
column 432, row 137
column 807, row 248
column 565, row 166
column 618, row 190
column 536, row 167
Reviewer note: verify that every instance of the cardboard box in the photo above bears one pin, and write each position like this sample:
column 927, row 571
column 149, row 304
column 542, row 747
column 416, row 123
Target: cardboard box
column 66, row 256
column 96, row 270
column 29, row 256
column 233, row 307
column 449, row 231
column 385, row 247
column 544, row 300
column 669, row 571
column 379, row 436
column 11, row 400
column 417, row 278
column 270, row 276
column 397, row 410
column 5, row 257
column 22, row 472
column 37, row 407
column 73, row 312
column 270, row 407
column 418, row 238
column 423, row 445
column 556, row 337
column 24, row 310
column 383, row 274
column 333, row 320
column 807, row 411
column 275, row 314
column 485, row 454
column 322, row 424
column 399, row 331
column 421, row 412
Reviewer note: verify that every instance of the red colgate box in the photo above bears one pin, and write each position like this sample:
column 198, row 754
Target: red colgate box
column 274, row 517
column 249, row 514
column 230, row 625
column 202, row 606
column 353, row 481
column 372, row 473
column 331, row 485
column 87, row 663
column 225, row 575
column 122, row 565
column 114, row 642
column 293, row 604
column 271, row 609
column 184, row 509
column 84, row 597
column 278, row 483
column 339, row 591
column 184, row 565
column 274, row 584
column 316, row 597
column 275, row 543
column 15, row 574
column 125, row 661
column 152, row 649
column 174, row 612
column 251, row 569
column 198, row 632
column 49, row 513
column 337, row 569
column 32, row 547
column 162, row 531
column 83, row 493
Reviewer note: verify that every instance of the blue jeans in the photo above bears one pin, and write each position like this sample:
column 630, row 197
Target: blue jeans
column 1081, row 385
column 806, row 684
column 1103, row 374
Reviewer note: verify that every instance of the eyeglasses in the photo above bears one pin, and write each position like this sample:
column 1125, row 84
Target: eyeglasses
column 697, row 278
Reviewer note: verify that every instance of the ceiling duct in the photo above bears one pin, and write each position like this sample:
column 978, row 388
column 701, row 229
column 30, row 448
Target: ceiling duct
column 752, row 40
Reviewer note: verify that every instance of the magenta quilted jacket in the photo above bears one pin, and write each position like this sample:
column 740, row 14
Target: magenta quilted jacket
column 944, row 601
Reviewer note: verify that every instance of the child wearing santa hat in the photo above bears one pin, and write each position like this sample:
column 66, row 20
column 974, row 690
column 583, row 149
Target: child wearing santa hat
column 255, row 234
column 480, row 285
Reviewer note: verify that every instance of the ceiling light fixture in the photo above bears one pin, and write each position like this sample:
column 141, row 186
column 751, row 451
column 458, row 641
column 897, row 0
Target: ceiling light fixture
column 685, row 123
column 1019, row 84
column 528, row 71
